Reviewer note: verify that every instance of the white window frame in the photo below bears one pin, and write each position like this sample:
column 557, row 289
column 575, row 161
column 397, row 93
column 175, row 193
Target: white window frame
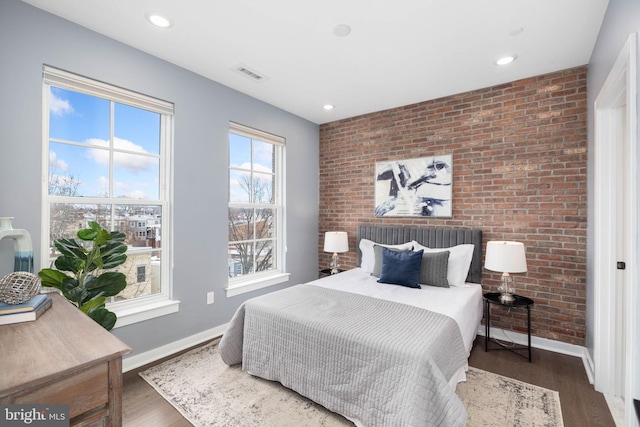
column 255, row 281
column 148, row 307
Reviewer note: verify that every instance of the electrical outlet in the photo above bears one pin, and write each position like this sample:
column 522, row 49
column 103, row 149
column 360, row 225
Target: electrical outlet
column 209, row 297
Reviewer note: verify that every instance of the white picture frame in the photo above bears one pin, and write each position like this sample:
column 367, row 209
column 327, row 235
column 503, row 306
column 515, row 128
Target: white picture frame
column 420, row 187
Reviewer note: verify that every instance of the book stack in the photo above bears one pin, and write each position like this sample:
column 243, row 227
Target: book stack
column 25, row 312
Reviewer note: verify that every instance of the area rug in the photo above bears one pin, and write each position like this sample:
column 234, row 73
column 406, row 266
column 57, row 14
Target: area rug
column 209, row 393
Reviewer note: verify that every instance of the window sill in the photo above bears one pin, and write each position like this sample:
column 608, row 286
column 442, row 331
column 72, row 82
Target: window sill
column 146, row 311
column 244, row 286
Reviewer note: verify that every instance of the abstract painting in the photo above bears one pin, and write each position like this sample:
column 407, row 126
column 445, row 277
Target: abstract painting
column 415, row 187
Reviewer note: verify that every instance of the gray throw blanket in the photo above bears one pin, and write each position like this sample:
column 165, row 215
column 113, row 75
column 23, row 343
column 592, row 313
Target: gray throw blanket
column 376, row 362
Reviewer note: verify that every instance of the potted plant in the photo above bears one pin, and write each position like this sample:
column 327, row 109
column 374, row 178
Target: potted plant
column 88, row 284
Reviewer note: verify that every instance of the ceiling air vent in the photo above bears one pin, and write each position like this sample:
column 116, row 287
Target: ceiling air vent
column 249, row 73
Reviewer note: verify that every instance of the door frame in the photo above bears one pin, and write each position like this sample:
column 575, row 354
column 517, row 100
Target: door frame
column 616, row 123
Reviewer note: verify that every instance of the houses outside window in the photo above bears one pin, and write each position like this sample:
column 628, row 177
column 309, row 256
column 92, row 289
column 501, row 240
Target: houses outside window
column 256, row 209
column 106, row 159
column 141, row 274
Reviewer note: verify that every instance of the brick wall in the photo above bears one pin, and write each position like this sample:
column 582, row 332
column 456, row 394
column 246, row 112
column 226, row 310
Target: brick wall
column 519, row 165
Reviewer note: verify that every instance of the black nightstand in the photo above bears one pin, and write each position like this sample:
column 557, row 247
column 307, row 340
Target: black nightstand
column 327, row 272
column 519, row 302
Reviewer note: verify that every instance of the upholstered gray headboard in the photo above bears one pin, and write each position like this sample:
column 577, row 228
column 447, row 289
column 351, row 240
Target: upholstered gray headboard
column 431, row 237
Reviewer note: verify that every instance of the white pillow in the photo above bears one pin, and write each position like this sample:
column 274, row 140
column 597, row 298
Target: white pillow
column 460, row 257
column 368, row 259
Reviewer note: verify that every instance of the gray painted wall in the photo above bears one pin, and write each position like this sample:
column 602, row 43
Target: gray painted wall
column 30, row 38
column 621, row 20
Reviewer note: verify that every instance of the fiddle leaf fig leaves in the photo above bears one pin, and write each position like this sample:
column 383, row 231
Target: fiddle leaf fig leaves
column 88, row 284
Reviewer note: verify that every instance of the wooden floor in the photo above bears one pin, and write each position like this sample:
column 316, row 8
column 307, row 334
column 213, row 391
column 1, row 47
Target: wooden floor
column 142, row 406
column 581, row 404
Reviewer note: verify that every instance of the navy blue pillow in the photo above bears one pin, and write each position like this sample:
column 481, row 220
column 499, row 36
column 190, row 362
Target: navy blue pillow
column 401, row 268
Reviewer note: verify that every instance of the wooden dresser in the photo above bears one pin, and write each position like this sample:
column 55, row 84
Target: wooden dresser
column 64, row 357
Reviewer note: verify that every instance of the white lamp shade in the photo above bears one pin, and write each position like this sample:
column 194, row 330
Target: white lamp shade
column 336, row 241
column 505, row 257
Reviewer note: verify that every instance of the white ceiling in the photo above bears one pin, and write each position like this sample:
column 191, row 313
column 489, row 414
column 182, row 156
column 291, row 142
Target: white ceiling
column 398, row 52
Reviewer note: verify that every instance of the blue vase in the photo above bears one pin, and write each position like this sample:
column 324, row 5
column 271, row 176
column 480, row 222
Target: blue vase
column 22, row 247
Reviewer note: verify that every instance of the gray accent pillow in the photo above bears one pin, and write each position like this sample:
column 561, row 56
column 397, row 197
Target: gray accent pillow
column 377, row 255
column 433, row 270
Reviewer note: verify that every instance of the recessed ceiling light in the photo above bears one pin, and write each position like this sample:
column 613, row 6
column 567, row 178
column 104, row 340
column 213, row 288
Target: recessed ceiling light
column 341, row 30
column 506, row 60
column 159, row 20
column 328, row 107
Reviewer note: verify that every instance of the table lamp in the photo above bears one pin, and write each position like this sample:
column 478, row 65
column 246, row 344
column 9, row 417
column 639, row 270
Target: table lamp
column 336, row 242
column 506, row 257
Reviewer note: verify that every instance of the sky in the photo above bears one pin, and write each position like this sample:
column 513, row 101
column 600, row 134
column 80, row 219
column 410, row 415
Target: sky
column 79, row 130
column 242, row 151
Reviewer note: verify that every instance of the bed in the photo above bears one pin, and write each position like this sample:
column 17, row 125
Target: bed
column 376, row 353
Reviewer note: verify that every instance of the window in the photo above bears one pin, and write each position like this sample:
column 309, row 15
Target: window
column 141, row 274
column 256, row 213
column 106, row 159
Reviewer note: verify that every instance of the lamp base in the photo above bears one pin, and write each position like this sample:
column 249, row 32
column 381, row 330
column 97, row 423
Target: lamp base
column 507, row 289
column 507, row 298
column 335, row 266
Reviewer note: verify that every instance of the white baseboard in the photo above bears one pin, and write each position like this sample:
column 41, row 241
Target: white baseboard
column 616, row 406
column 589, row 366
column 136, row 360
column 545, row 344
